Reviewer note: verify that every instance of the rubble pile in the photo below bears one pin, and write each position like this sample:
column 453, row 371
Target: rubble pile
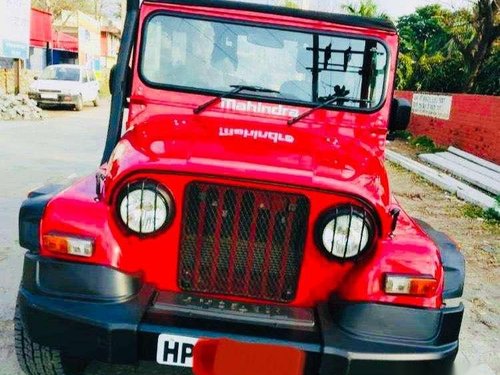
column 19, row 107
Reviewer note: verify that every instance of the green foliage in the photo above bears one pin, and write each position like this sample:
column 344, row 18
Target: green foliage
column 450, row 51
column 425, row 144
column 365, row 8
column 404, row 73
column 422, row 32
column 491, row 215
column 290, row 4
column 422, row 142
column 488, row 81
column 405, row 135
column 438, row 73
column 472, row 211
column 426, row 62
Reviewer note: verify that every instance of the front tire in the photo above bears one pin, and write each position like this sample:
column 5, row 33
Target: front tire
column 79, row 103
column 35, row 359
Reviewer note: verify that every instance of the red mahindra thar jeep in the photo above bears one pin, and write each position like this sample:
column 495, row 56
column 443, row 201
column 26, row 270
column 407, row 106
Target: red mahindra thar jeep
column 245, row 200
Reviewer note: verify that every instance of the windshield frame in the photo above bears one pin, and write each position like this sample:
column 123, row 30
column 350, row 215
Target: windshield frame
column 255, row 97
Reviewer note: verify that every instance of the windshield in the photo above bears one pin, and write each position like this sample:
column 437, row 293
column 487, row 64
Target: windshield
column 61, row 73
column 213, row 55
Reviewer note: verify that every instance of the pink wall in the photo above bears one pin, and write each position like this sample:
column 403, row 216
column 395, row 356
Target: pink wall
column 474, row 125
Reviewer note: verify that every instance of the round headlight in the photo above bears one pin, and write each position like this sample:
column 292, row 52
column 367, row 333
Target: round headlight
column 345, row 232
column 145, row 207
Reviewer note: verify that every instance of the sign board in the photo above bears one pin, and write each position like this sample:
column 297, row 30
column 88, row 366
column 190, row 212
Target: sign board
column 15, row 28
column 438, row 106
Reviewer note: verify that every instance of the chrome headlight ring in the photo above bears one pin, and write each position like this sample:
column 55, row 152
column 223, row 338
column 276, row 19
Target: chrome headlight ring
column 145, row 207
column 345, row 232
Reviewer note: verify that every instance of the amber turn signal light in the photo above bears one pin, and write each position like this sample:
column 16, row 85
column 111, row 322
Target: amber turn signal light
column 410, row 285
column 68, row 245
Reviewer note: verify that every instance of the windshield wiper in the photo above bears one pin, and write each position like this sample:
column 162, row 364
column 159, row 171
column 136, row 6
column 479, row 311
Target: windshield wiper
column 312, row 110
column 236, row 89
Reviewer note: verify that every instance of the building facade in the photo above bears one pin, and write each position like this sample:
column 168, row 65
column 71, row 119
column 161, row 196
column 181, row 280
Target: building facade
column 110, row 43
column 48, row 46
column 87, row 30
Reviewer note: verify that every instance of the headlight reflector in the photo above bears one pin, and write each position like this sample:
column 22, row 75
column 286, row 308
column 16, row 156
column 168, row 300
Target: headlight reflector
column 345, row 232
column 145, row 207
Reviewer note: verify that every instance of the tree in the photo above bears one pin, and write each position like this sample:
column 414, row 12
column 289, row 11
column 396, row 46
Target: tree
column 426, row 61
column 96, row 8
column 107, row 8
column 365, row 8
column 488, row 80
column 57, row 7
column 290, row 4
column 422, row 32
column 475, row 34
column 450, row 51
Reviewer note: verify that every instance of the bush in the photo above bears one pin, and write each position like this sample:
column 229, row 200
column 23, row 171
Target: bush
column 491, row 215
column 405, row 135
column 425, row 144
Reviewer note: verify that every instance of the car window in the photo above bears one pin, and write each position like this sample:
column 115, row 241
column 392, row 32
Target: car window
column 61, row 73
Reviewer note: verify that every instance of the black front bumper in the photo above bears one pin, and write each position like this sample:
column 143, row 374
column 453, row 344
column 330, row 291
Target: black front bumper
column 98, row 313
column 60, row 100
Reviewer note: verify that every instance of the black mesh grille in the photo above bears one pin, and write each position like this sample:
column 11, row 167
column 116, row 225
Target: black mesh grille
column 242, row 242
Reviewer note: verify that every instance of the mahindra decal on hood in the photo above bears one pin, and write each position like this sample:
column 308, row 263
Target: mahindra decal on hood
column 259, row 108
column 275, row 137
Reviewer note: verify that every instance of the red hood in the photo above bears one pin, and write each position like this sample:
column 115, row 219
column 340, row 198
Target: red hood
column 343, row 159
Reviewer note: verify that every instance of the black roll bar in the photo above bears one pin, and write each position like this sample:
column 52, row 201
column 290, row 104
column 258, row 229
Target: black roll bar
column 120, row 83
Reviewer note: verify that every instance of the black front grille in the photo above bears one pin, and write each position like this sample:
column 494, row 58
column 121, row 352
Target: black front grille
column 242, row 242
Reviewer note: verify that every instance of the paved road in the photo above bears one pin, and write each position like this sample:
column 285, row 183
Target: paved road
column 32, row 154
column 66, row 145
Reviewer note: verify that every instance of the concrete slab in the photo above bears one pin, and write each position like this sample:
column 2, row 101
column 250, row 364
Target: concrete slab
column 470, row 165
column 477, row 179
column 481, row 370
column 444, row 181
column 475, row 159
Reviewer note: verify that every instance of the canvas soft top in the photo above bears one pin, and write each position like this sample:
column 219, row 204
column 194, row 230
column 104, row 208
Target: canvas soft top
column 343, row 19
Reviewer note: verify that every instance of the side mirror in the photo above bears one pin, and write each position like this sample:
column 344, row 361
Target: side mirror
column 112, row 77
column 35, row 78
column 400, row 115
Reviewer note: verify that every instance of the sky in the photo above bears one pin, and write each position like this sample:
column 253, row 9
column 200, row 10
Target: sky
column 395, row 8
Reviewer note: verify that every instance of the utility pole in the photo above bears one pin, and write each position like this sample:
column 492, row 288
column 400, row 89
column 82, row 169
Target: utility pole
column 17, row 76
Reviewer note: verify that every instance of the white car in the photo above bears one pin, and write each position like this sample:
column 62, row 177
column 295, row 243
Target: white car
column 65, row 84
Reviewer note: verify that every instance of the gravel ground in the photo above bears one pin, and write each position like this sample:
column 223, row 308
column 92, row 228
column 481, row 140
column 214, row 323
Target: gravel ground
column 480, row 243
column 70, row 143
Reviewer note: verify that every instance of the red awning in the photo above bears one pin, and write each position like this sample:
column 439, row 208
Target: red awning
column 64, row 42
column 41, row 28
column 43, row 33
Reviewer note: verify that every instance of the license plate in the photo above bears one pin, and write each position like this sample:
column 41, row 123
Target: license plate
column 175, row 350
column 49, row 96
